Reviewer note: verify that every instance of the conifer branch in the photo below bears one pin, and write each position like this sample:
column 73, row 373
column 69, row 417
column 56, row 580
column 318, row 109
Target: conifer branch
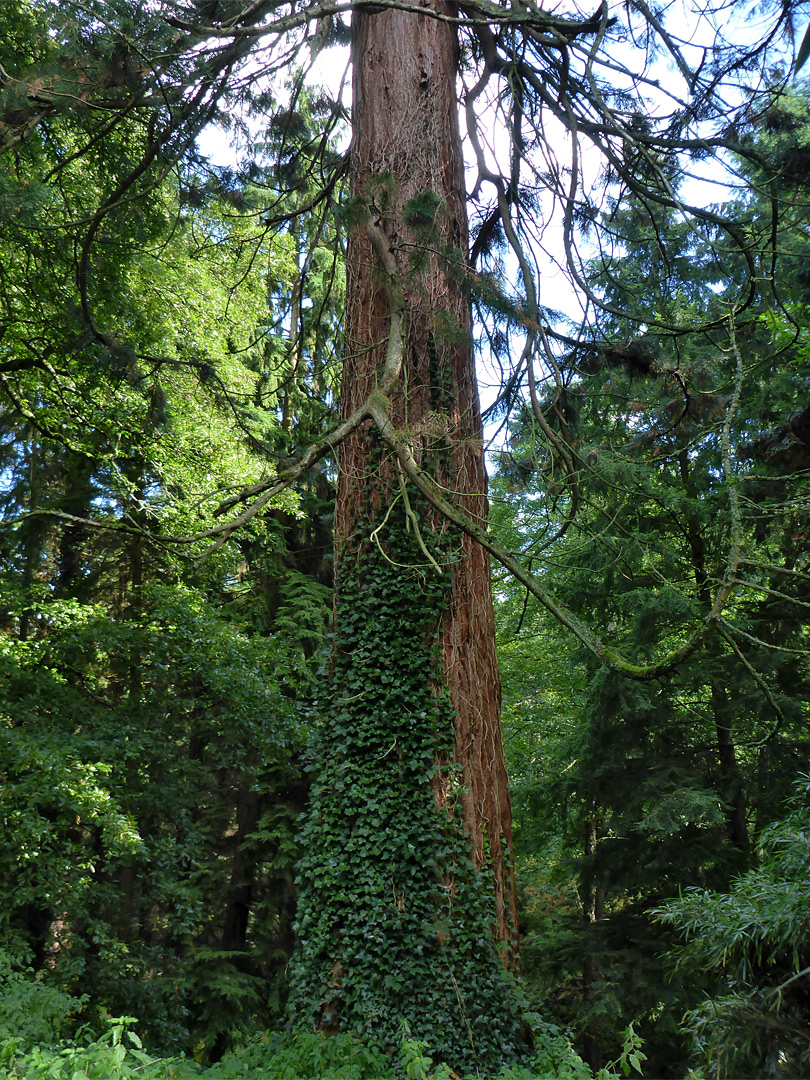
column 398, row 443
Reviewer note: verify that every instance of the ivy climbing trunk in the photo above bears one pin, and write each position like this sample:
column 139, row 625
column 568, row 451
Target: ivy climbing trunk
column 406, row 898
column 406, row 144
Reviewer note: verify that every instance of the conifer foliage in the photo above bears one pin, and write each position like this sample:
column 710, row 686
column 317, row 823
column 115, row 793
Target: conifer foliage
column 685, row 479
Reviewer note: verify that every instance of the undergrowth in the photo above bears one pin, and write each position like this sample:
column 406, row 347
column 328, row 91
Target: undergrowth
column 119, row 1054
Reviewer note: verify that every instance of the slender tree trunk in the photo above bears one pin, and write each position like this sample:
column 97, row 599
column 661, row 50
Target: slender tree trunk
column 289, row 393
column 732, row 787
column 33, row 532
column 76, row 502
column 731, row 779
column 240, row 895
column 134, row 553
column 593, row 910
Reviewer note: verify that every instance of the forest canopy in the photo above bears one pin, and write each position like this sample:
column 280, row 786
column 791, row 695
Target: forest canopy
column 348, row 728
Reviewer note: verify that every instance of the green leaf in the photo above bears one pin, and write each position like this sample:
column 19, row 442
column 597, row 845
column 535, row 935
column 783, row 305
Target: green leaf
column 803, row 53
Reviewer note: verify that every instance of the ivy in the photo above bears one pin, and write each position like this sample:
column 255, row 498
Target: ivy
column 394, row 920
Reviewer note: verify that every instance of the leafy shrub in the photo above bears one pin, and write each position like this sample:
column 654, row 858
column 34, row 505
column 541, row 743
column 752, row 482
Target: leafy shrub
column 31, row 1012
column 299, row 1055
column 117, row 1055
column 126, row 840
column 304, row 1055
column 751, row 947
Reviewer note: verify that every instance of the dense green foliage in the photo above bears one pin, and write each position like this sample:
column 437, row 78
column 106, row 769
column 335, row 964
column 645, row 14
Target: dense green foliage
column 119, row 1055
column 628, row 792
column 131, row 845
column 180, row 759
column 392, row 907
column 154, row 707
column 748, row 949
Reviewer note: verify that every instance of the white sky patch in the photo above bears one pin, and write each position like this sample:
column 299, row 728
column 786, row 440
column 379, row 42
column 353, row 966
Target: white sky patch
column 217, row 145
column 329, row 70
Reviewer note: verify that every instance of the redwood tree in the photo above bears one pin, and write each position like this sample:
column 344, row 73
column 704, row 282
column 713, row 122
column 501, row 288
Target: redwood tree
column 411, row 808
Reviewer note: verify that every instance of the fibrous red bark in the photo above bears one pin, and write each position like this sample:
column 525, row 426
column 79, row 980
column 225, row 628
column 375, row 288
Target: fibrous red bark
column 406, row 143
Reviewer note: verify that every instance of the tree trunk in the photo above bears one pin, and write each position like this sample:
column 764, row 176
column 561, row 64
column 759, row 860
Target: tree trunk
column 733, row 792
column 406, row 132
column 593, row 911
column 76, row 501
column 396, row 920
column 33, row 532
column 289, row 392
column 731, row 781
column 240, row 894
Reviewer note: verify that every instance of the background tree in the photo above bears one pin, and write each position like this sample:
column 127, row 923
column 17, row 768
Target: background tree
column 153, row 707
column 665, row 783
column 749, row 945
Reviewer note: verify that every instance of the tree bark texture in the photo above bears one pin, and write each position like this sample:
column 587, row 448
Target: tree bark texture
column 406, row 899
column 406, row 143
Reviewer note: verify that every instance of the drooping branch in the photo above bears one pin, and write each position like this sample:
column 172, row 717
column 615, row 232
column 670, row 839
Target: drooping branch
column 377, row 409
column 399, row 444
column 550, row 63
